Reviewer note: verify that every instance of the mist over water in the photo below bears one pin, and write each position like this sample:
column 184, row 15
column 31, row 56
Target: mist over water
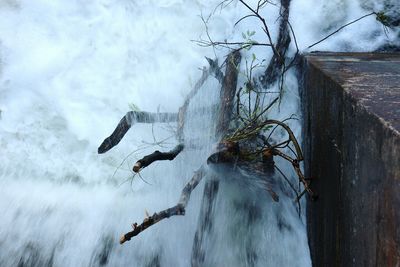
column 69, row 70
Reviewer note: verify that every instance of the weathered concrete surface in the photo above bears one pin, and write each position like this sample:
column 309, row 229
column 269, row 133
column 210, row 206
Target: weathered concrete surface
column 351, row 107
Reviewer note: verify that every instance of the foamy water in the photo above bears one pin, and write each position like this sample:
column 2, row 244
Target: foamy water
column 69, row 70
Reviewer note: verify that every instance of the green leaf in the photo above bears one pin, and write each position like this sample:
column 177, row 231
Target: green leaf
column 134, row 107
column 266, row 128
column 244, row 35
column 382, row 18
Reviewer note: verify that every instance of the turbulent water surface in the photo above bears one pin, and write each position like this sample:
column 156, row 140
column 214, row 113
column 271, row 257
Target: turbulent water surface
column 69, row 70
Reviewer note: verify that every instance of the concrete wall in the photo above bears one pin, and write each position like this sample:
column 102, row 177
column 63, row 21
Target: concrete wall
column 351, row 108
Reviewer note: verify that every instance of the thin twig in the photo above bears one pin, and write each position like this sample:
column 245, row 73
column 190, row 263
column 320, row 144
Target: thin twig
column 340, row 28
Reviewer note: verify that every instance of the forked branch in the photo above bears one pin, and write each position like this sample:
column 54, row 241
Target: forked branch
column 178, row 209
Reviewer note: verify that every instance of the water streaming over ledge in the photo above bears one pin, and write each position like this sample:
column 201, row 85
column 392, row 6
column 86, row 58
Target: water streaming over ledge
column 70, row 69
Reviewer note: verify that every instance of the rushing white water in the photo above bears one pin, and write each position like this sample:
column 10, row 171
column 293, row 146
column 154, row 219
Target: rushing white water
column 69, row 70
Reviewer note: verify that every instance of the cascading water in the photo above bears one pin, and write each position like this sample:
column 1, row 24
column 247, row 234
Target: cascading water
column 70, row 69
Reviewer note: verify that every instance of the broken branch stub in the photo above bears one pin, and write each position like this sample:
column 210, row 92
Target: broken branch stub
column 156, row 156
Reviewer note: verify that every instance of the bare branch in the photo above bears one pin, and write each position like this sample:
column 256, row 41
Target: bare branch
column 291, row 136
column 128, row 120
column 265, row 29
column 178, row 209
column 340, row 28
column 230, row 45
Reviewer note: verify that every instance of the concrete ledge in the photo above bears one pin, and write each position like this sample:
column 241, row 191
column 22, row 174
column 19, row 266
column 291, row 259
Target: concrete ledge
column 351, row 108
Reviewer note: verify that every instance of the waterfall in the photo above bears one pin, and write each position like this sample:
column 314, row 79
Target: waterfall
column 69, row 70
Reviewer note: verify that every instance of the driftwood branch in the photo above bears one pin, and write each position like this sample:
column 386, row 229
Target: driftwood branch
column 257, row 162
column 156, row 156
column 147, row 117
column 228, row 90
column 178, row 209
column 128, row 120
